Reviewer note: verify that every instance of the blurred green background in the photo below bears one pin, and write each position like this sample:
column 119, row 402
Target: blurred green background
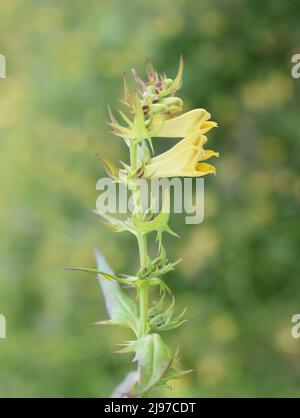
column 240, row 274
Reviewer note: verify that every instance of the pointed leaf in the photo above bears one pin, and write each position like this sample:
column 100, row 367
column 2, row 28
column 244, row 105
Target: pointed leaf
column 120, row 307
column 115, row 224
column 154, row 359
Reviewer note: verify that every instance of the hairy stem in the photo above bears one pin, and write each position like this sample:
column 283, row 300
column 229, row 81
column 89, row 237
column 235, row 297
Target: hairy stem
column 142, row 244
column 143, row 291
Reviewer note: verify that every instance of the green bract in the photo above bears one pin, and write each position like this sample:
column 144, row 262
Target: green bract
column 154, row 359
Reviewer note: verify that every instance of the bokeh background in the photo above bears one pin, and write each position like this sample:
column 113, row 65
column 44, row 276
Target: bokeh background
column 240, row 274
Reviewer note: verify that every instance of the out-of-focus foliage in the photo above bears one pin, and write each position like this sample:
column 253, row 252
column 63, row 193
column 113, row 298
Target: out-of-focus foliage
column 240, row 274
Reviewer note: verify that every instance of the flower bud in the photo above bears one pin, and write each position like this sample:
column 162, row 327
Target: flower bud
column 151, row 90
column 168, row 82
column 174, row 104
column 158, row 108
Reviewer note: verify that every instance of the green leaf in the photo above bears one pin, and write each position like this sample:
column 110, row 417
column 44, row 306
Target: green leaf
column 129, row 280
column 175, row 371
column 120, row 307
column 115, row 224
column 159, row 266
column 157, row 282
column 159, row 223
column 154, row 359
column 164, row 320
column 109, row 167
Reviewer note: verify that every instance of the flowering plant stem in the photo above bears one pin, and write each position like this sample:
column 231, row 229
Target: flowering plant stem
column 142, row 245
column 153, row 107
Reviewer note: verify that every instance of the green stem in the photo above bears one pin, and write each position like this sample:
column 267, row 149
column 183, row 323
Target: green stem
column 143, row 291
column 143, row 296
column 142, row 244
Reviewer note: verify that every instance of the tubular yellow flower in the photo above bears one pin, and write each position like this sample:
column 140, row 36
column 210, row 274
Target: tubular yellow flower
column 196, row 120
column 182, row 160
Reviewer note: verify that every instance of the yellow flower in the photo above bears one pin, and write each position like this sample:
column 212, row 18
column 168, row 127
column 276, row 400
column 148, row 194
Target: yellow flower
column 182, row 160
column 196, row 120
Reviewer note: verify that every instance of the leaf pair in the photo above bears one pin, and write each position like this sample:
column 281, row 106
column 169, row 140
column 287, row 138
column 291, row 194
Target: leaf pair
column 156, row 222
column 154, row 358
column 159, row 266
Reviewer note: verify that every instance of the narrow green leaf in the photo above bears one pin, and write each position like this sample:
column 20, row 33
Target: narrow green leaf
column 128, row 281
